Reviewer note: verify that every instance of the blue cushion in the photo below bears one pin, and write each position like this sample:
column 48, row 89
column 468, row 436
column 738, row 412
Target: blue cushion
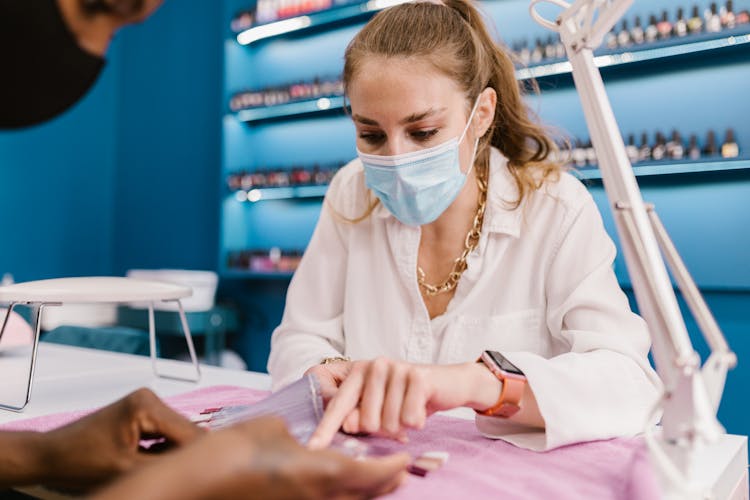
column 111, row 338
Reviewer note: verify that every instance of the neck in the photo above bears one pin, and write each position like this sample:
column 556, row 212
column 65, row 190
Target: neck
column 458, row 218
column 93, row 32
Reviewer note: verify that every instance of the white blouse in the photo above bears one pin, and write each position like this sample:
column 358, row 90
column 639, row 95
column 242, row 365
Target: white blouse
column 539, row 288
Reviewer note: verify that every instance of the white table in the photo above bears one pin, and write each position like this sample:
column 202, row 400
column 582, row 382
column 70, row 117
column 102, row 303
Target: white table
column 70, row 378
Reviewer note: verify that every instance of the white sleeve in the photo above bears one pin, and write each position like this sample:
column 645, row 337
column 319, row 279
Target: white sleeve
column 604, row 386
column 311, row 328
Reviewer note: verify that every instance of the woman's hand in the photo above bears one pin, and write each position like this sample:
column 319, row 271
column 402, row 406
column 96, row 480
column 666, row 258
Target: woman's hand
column 261, row 459
column 330, row 376
column 106, row 443
column 389, row 397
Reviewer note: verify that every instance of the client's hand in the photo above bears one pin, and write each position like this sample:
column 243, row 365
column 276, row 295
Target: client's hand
column 389, row 397
column 258, row 459
column 104, row 444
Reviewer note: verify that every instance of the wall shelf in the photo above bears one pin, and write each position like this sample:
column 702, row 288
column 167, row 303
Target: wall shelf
column 283, row 193
column 641, row 170
column 649, row 52
column 314, row 20
column 299, row 108
column 673, row 167
column 694, row 44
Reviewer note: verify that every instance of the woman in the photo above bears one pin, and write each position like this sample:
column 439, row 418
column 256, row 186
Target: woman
column 451, row 235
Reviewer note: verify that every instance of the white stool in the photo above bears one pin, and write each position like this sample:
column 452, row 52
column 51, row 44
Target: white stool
column 56, row 292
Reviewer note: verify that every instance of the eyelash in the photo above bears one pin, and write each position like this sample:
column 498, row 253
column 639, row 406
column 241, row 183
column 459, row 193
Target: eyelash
column 419, row 135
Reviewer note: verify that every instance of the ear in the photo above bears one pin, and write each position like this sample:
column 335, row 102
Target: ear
column 485, row 113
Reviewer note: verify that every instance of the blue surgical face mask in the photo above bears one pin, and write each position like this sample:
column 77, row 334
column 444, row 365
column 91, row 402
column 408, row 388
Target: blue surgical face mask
column 417, row 187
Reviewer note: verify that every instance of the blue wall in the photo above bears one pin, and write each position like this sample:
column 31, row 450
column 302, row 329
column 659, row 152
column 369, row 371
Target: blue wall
column 56, row 186
column 168, row 149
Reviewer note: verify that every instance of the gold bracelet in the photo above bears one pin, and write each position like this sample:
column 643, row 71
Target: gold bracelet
column 335, row 359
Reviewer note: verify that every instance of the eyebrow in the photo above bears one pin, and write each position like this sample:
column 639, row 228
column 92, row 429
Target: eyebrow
column 409, row 119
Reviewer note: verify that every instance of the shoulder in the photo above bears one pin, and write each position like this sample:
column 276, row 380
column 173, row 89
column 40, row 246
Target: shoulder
column 564, row 190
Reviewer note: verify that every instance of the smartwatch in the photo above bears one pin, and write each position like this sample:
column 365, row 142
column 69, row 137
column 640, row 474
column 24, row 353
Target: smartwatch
column 514, row 383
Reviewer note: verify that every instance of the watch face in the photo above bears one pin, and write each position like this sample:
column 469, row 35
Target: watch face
column 503, row 363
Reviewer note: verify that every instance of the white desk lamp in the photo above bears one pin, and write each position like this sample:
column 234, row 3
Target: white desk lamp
column 691, row 395
column 56, row 292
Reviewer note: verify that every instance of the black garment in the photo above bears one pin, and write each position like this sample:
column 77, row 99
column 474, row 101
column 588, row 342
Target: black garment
column 43, row 70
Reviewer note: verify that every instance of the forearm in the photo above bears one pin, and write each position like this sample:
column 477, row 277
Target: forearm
column 22, row 462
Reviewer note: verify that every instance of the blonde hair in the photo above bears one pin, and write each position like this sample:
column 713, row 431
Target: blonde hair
column 452, row 36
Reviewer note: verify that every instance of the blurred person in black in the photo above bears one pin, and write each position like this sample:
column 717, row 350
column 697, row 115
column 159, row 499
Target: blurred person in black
column 52, row 52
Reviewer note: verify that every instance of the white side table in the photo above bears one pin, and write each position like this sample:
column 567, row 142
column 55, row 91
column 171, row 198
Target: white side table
column 56, row 292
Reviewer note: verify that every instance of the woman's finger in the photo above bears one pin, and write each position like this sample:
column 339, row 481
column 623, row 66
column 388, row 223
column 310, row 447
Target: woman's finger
column 371, row 403
column 413, row 411
column 394, row 398
column 345, row 400
column 351, row 422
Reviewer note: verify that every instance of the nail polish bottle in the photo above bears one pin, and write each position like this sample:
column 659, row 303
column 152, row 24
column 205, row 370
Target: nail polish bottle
column 322, row 177
column 695, row 23
column 644, row 152
column 538, row 53
column 516, row 50
column 234, row 181
column 651, row 32
column 316, row 87
column 680, row 26
column 549, row 48
column 675, row 149
column 727, row 15
column 247, row 181
column 305, row 176
column 659, row 151
column 623, row 37
column 742, row 17
column 559, row 49
column 590, row 154
column 730, row 149
column 525, row 54
column 694, row 152
column 664, row 27
column 631, row 149
column 713, row 21
column 283, row 178
column 579, row 154
column 611, row 39
column 637, row 33
column 709, row 149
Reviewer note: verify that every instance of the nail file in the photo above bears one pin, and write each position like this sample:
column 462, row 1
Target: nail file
column 299, row 404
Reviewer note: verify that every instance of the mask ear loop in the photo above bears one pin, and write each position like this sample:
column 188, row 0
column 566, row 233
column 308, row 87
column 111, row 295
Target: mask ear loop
column 463, row 134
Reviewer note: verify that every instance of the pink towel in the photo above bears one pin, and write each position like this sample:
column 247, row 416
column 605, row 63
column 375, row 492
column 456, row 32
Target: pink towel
column 477, row 467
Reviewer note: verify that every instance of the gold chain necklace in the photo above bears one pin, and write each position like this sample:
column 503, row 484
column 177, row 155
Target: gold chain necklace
column 471, row 242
